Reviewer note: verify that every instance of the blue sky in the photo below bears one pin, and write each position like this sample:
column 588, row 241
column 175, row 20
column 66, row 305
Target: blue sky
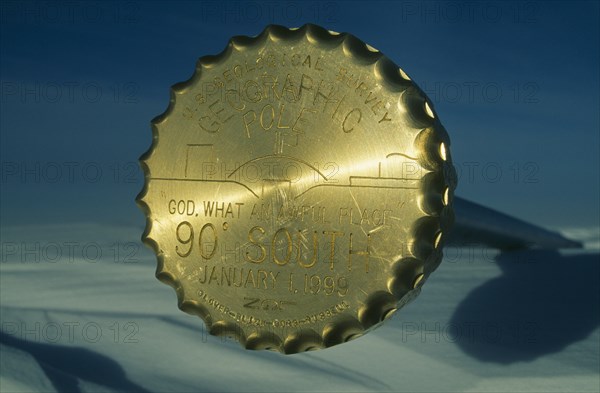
column 516, row 84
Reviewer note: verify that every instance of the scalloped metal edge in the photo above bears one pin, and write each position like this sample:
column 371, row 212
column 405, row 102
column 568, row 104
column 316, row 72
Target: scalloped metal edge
column 427, row 253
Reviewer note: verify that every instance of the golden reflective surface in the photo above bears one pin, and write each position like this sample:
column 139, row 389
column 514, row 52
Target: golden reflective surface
column 298, row 189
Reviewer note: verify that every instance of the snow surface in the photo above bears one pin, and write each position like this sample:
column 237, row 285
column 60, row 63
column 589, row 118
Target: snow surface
column 485, row 322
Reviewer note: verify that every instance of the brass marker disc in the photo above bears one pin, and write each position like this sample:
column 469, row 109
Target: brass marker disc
column 298, row 189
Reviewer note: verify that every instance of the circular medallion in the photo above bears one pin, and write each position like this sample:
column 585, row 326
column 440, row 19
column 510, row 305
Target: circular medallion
column 298, row 189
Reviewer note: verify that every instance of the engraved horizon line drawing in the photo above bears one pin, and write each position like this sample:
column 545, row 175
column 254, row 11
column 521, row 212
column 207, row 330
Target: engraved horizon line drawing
column 354, row 181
